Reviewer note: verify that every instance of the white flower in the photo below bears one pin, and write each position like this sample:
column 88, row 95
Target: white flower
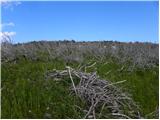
column 47, row 108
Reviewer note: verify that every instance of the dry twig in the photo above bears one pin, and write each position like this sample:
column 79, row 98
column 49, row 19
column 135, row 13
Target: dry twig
column 100, row 93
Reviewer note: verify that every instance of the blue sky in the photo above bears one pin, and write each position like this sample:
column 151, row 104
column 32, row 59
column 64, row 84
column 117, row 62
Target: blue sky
column 83, row 21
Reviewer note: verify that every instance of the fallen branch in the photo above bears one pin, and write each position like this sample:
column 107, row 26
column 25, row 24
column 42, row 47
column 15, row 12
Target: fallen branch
column 69, row 71
column 115, row 83
column 100, row 93
column 122, row 115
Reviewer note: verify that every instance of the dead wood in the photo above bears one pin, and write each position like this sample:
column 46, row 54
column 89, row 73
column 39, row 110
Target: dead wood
column 99, row 94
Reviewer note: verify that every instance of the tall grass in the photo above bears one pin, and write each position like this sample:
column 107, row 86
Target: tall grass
column 27, row 94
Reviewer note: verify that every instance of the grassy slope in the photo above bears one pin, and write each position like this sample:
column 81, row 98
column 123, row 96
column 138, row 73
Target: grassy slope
column 26, row 94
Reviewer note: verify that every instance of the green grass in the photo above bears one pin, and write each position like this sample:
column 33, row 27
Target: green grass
column 27, row 94
column 143, row 85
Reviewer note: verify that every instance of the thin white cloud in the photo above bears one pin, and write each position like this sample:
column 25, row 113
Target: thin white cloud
column 5, row 36
column 7, row 24
column 16, row 2
column 4, row 25
column 9, row 33
column 9, row 4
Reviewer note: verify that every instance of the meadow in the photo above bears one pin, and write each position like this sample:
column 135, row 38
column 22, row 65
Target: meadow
column 26, row 93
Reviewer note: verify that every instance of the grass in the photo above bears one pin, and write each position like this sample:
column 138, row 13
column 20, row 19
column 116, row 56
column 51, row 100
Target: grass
column 26, row 93
column 141, row 84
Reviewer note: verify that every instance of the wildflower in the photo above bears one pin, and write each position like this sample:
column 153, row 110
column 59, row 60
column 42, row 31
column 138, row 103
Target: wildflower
column 47, row 108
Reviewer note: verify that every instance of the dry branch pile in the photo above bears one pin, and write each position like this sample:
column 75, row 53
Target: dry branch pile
column 100, row 95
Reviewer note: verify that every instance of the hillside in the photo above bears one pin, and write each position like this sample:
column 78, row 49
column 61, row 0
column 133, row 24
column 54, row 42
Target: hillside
column 28, row 91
